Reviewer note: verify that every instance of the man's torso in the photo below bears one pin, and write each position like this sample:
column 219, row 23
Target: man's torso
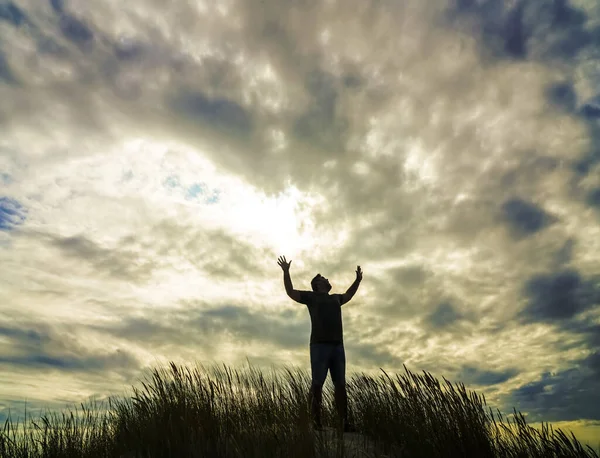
column 325, row 316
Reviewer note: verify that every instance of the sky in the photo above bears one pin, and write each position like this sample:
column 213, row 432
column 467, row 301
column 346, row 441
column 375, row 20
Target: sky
column 155, row 161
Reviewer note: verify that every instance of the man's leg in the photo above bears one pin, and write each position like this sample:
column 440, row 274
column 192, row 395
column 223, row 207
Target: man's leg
column 319, row 364
column 338, row 376
column 341, row 403
column 316, row 399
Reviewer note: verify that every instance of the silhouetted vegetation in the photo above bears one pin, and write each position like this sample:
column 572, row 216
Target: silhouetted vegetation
column 221, row 412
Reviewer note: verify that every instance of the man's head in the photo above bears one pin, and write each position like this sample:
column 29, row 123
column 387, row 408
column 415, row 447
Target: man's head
column 320, row 284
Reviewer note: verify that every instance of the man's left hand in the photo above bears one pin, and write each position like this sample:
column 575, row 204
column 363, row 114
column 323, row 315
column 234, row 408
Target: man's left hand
column 358, row 273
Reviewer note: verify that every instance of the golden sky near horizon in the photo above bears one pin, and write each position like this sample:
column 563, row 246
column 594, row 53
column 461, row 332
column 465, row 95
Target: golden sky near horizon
column 155, row 161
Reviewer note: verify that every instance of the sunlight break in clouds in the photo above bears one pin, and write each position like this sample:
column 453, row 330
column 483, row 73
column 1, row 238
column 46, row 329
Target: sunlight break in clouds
column 156, row 160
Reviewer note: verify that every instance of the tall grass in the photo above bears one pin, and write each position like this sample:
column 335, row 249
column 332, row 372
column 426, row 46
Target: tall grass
column 179, row 411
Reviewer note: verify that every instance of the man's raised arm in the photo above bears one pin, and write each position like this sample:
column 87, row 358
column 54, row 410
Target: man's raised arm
column 352, row 290
column 287, row 280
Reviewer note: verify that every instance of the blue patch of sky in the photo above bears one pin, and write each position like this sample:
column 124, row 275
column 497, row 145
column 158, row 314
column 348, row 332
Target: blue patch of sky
column 195, row 190
column 18, row 410
column 12, row 213
column 214, row 198
column 171, row 182
column 198, row 192
column 5, row 178
column 127, row 176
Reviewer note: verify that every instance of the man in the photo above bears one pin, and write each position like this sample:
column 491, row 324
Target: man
column 326, row 339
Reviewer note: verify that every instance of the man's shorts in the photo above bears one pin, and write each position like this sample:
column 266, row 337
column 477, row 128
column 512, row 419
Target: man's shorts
column 327, row 357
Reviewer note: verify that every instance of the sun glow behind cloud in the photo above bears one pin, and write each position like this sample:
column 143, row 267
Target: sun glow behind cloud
column 163, row 174
column 174, row 180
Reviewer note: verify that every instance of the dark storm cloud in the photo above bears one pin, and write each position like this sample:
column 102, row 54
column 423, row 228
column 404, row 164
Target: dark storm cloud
column 412, row 276
column 591, row 108
column 75, row 30
column 586, row 330
column 564, row 299
column 218, row 113
column 319, row 124
column 284, row 329
column 13, row 14
column 563, row 396
column 515, row 36
column 412, row 292
column 565, row 254
column 369, row 355
column 594, row 198
column 25, row 337
column 324, row 112
column 525, row 218
column 218, row 253
column 118, row 360
column 563, row 95
column 129, row 50
column 58, row 5
column 559, row 296
column 585, row 166
column 205, row 327
column 444, row 315
column 313, row 120
column 593, row 362
column 72, row 28
column 528, row 29
column 215, row 251
column 477, row 376
column 202, row 326
column 6, row 74
column 41, row 347
column 119, row 262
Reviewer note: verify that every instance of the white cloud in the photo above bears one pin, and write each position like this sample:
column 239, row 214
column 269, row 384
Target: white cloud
column 173, row 156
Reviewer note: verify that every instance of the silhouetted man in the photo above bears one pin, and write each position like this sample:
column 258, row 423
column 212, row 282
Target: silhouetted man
column 326, row 339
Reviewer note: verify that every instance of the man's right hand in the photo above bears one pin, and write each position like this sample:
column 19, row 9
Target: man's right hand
column 285, row 266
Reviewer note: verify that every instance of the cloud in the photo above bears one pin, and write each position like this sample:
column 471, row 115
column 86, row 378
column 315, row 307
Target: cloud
column 6, row 74
column 58, row 5
column 218, row 113
column 559, row 296
column 565, row 300
column 534, row 30
column 444, row 315
column 120, row 262
column 75, row 30
column 12, row 213
column 591, row 108
column 594, row 198
column 203, row 326
column 12, row 14
column 524, row 217
column 478, row 376
column 44, row 349
column 563, row 95
column 166, row 157
column 563, row 396
column 363, row 354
